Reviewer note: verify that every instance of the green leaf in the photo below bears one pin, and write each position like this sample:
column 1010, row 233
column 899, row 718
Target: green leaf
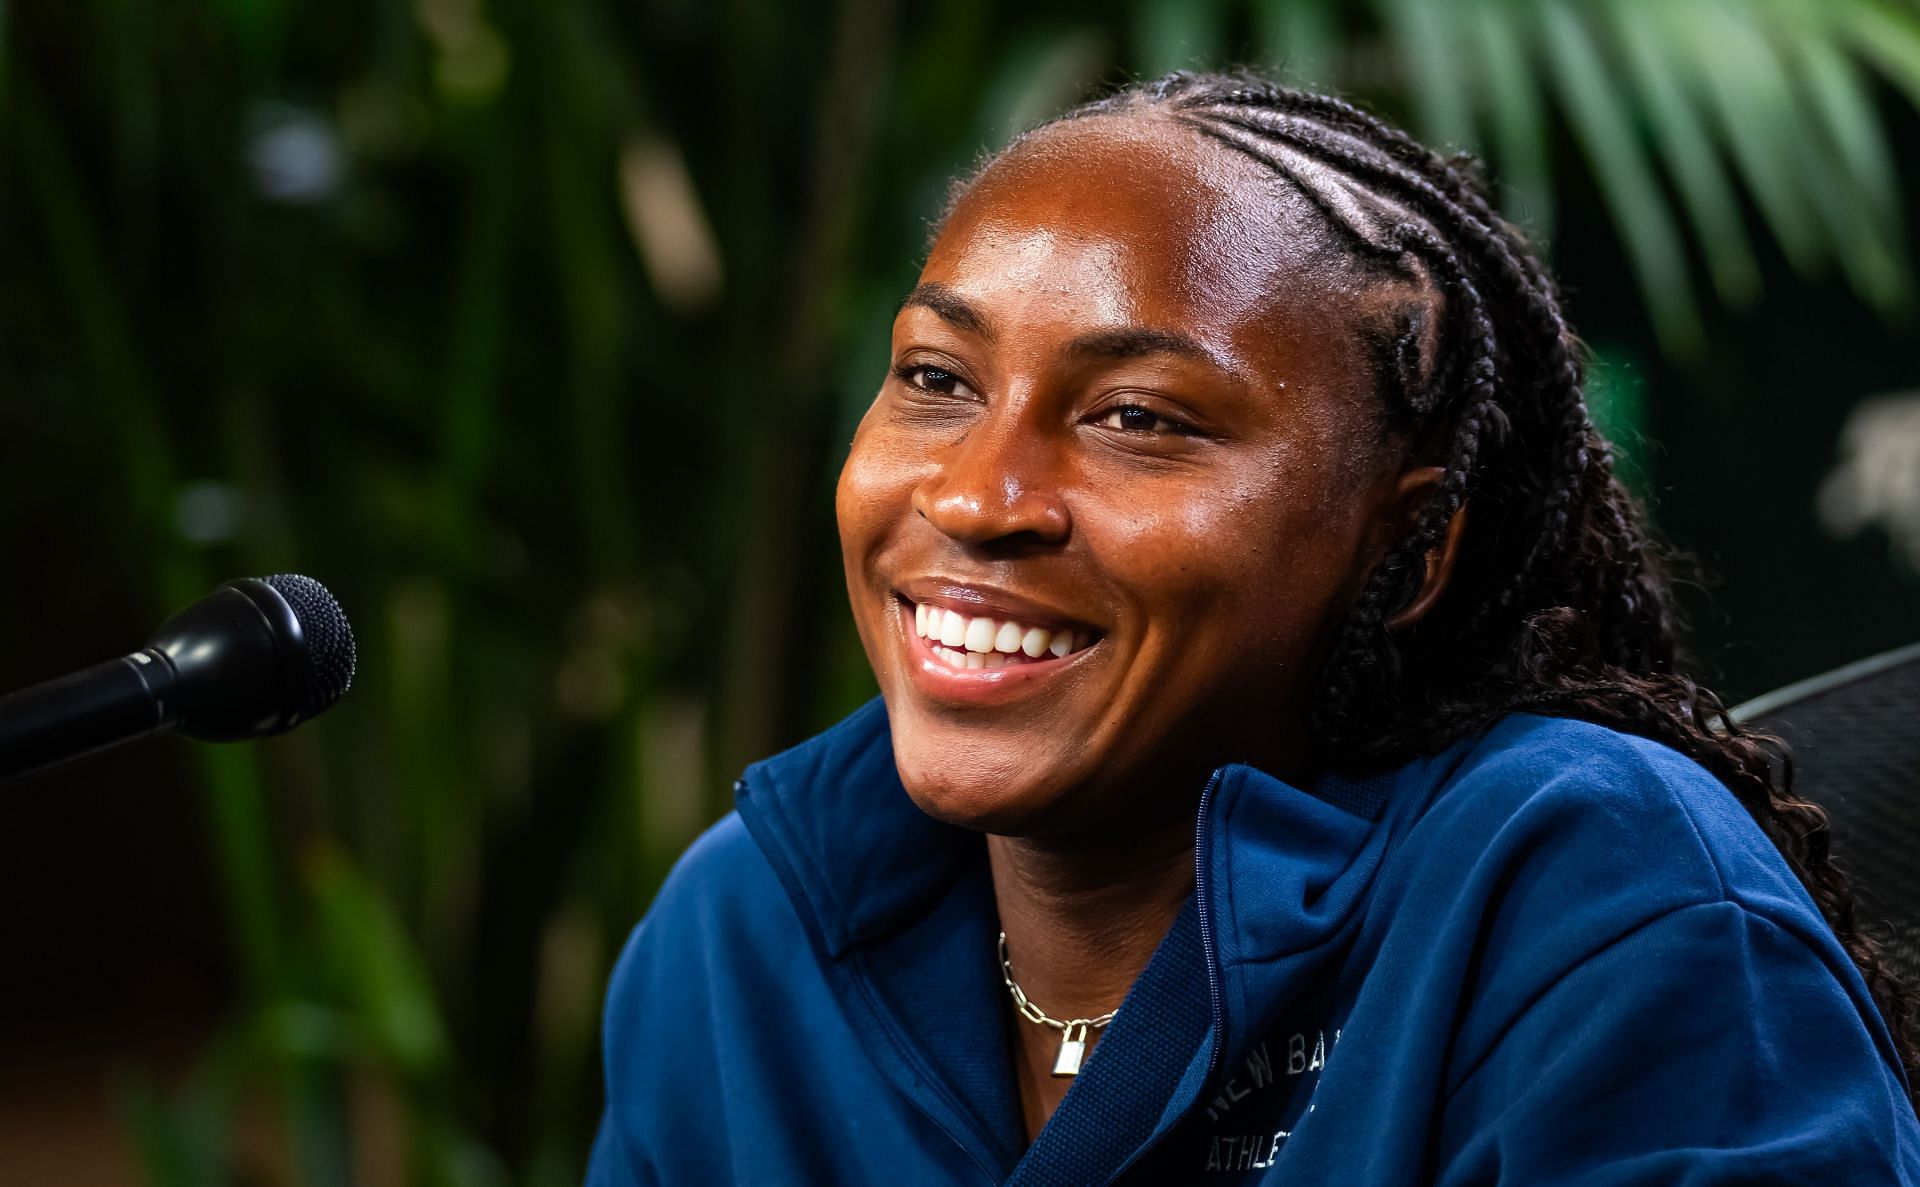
column 114, row 365
column 1499, row 33
column 1177, row 34
column 176, row 1147
column 1853, row 185
column 381, row 972
column 1686, row 147
column 444, row 1156
column 129, row 38
column 1840, row 103
column 4, row 47
column 293, row 1029
column 1617, row 398
column 1886, row 34
column 1041, row 74
column 234, row 796
column 1297, row 39
column 1625, row 177
column 1745, row 84
column 470, row 413
column 1428, row 38
column 257, row 27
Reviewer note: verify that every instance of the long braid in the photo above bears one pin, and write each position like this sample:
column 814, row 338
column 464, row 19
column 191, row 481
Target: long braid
column 1365, row 648
column 1560, row 601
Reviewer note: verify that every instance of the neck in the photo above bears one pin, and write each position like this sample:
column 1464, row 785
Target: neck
column 1082, row 921
column 1083, row 918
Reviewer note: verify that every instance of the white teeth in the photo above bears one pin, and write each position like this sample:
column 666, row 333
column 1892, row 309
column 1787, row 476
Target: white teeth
column 980, row 634
column 987, row 642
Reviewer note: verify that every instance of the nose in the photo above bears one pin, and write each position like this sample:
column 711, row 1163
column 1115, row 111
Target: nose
column 1001, row 483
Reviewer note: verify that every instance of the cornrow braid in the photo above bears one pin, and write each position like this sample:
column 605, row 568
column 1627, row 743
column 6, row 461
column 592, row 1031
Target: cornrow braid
column 1365, row 648
column 1560, row 600
column 1484, row 239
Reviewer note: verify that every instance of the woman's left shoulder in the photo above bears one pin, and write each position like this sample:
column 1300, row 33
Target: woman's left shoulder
column 1588, row 809
column 1530, row 757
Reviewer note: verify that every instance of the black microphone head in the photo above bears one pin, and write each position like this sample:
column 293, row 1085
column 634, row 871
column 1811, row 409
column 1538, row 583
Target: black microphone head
column 255, row 657
column 330, row 651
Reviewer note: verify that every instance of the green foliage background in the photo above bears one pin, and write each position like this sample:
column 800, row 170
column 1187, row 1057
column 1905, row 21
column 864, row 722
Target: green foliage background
column 571, row 482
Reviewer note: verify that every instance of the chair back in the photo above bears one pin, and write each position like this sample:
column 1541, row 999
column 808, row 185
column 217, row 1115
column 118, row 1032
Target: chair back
column 1855, row 734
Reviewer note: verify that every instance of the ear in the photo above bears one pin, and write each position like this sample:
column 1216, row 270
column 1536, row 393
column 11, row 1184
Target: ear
column 1416, row 487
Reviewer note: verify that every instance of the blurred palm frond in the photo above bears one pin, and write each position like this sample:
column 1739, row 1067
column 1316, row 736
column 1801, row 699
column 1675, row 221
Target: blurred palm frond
column 1679, row 109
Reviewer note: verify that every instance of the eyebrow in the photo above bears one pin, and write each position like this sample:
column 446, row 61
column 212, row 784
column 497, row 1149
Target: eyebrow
column 1126, row 343
column 951, row 306
column 1134, row 342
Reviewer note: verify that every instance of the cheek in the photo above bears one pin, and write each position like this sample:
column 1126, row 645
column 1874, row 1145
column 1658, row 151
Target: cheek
column 1245, row 571
column 874, row 494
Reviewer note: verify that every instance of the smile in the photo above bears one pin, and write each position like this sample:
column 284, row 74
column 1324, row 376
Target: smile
column 966, row 643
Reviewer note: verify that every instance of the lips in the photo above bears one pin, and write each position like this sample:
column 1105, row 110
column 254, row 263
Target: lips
column 981, row 645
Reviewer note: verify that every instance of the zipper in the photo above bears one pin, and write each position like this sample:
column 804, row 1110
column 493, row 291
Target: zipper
column 1202, row 851
column 1216, row 1041
column 969, row 1141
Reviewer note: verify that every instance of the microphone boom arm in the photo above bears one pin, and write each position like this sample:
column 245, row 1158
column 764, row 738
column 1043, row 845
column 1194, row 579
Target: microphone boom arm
column 84, row 713
column 255, row 657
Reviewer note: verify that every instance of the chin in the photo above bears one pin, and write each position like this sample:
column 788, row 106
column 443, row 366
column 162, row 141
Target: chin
column 999, row 793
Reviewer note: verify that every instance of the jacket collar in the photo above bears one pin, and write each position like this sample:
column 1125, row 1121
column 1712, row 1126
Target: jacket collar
column 862, row 861
column 899, row 910
column 859, row 858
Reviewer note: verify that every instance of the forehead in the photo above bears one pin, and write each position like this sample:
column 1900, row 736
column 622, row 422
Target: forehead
column 1138, row 219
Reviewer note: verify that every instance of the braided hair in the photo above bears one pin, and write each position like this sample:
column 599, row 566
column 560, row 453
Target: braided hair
column 1560, row 601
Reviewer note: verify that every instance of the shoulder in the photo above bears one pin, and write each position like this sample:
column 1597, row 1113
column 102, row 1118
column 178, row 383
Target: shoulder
column 1706, row 1045
column 719, row 948
column 1529, row 761
column 721, row 887
column 1562, row 854
column 719, row 924
column 1548, row 841
column 715, row 883
column 1586, row 807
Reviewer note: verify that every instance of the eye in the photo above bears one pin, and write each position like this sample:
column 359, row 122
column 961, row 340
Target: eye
column 928, row 378
column 1132, row 418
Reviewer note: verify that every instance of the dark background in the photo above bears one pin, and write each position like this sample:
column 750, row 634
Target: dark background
column 536, row 329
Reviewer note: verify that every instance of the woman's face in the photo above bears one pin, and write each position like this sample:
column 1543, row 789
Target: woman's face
column 1119, row 488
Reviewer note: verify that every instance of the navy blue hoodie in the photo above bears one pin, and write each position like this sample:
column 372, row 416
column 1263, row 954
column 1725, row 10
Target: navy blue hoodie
column 1551, row 954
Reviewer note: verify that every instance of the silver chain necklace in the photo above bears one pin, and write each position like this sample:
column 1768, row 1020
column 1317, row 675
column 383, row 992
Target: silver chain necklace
column 1073, row 1035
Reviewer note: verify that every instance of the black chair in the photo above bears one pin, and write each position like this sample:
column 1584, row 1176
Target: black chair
column 1855, row 734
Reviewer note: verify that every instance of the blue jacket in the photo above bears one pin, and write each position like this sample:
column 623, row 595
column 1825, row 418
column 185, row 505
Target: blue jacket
column 1552, row 954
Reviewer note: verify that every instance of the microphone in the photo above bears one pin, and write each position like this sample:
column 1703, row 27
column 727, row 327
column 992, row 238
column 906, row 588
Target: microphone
column 255, row 657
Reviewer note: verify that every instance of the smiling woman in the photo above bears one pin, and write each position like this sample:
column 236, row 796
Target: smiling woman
column 1282, row 770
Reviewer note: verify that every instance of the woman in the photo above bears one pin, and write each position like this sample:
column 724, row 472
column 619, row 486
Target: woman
column 1282, row 772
